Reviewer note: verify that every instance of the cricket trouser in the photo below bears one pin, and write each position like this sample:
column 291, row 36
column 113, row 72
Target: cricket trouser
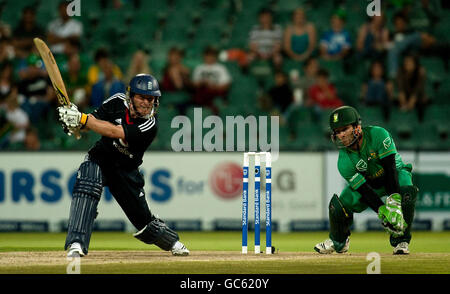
column 350, row 201
column 126, row 186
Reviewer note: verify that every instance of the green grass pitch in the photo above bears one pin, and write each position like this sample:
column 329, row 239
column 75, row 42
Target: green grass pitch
column 219, row 253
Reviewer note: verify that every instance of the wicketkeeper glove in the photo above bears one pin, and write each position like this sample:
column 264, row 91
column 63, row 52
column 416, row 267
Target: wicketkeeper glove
column 71, row 117
column 391, row 215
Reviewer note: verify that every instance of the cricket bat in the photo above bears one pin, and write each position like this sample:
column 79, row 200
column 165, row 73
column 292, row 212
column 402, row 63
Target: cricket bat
column 54, row 74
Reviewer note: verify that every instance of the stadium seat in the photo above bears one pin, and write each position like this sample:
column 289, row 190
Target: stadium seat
column 334, row 68
column 434, row 68
column 443, row 93
column 296, row 115
column 426, row 137
column 175, row 98
column 310, row 137
column 348, row 91
column 371, row 115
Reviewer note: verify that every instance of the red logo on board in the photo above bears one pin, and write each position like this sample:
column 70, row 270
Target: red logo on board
column 226, row 180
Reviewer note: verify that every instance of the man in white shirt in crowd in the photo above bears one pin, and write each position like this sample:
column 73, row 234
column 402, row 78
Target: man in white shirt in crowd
column 210, row 79
column 63, row 28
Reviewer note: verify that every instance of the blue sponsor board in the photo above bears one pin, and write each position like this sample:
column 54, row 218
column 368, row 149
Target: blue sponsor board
column 184, row 224
column 227, row 225
column 446, row 225
column 251, row 226
column 308, row 225
column 422, row 225
column 374, row 225
column 23, row 185
column 23, row 226
column 101, row 226
column 236, row 225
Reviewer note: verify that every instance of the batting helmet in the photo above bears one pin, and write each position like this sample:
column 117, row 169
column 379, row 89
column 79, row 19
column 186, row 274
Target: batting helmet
column 144, row 84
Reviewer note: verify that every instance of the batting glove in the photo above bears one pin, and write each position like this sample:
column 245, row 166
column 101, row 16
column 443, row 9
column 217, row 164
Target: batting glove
column 71, row 117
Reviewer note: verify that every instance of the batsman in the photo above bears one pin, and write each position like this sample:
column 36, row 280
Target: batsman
column 128, row 125
column 372, row 167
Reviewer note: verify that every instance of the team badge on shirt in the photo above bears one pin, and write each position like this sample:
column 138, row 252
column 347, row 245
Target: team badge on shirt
column 387, row 142
column 361, row 165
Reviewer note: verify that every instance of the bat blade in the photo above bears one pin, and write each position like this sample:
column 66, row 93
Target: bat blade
column 53, row 72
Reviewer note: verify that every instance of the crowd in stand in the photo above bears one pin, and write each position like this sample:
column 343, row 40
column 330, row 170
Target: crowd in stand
column 395, row 77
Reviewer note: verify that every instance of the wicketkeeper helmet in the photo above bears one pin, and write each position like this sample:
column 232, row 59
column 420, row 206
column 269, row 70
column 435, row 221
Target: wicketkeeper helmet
column 341, row 117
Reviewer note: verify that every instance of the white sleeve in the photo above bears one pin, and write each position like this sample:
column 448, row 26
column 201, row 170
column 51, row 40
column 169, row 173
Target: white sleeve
column 196, row 75
column 224, row 75
column 76, row 28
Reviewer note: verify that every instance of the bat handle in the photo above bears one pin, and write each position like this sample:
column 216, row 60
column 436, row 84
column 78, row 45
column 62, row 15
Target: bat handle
column 77, row 135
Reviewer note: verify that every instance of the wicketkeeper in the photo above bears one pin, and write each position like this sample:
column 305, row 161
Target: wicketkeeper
column 128, row 125
column 369, row 162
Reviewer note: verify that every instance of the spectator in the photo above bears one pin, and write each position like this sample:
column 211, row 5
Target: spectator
column 15, row 116
column 175, row 74
column 74, row 67
column 323, row 94
column 107, row 86
column 373, row 38
column 31, row 141
column 403, row 38
column 95, row 73
column 302, row 83
column 6, row 80
column 335, row 44
column 300, row 38
column 406, row 39
column 265, row 39
column 281, row 93
column 63, row 28
column 25, row 31
column 411, row 86
column 32, row 76
column 423, row 14
column 138, row 64
column 377, row 91
column 210, row 79
column 5, row 29
column 73, row 47
column 33, row 83
column 75, row 79
column 7, row 53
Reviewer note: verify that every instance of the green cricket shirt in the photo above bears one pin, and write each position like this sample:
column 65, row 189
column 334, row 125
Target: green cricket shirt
column 359, row 167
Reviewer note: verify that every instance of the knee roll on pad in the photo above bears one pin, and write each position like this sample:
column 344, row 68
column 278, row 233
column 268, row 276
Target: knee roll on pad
column 409, row 193
column 89, row 180
column 83, row 209
column 337, row 210
column 409, row 198
column 158, row 233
